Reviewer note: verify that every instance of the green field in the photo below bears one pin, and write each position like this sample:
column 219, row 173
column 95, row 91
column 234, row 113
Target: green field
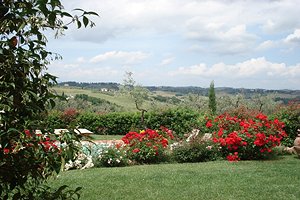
column 122, row 100
column 260, row 180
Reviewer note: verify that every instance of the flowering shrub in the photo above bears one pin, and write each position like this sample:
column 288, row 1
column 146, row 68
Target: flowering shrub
column 196, row 150
column 112, row 156
column 82, row 161
column 147, row 146
column 251, row 137
column 69, row 115
column 290, row 115
column 45, row 153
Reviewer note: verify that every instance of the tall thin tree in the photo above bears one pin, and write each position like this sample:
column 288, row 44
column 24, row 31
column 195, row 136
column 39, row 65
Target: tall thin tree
column 212, row 98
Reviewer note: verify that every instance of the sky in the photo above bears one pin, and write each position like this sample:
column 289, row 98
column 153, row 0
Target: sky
column 237, row 43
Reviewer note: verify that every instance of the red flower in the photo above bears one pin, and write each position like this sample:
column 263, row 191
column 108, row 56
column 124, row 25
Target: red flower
column 262, row 117
column 6, row 150
column 164, row 142
column 220, row 132
column 136, row 150
column 233, row 158
column 208, row 124
column 155, row 148
column 27, row 133
column 260, row 139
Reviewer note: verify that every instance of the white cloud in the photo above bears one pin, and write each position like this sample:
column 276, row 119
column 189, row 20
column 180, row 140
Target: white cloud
column 125, row 57
column 294, row 37
column 224, row 32
column 268, row 44
column 167, row 61
column 252, row 73
column 80, row 60
column 256, row 68
column 123, row 16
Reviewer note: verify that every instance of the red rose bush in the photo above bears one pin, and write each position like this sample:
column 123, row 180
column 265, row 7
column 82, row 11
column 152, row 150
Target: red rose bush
column 147, row 146
column 247, row 137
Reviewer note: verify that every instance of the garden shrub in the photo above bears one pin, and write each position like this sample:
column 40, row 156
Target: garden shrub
column 54, row 120
column 90, row 121
column 69, row 116
column 246, row 137
column 179, row 120
column 112, row 156
column 196, row 151
column 148, row 146
column 290, row 115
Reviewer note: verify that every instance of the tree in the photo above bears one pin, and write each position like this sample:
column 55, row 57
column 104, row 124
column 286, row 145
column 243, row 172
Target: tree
column 27, row 159
column 212, row 98
column 138, row 93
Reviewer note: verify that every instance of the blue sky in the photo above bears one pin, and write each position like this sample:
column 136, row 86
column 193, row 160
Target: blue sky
column 238, row 43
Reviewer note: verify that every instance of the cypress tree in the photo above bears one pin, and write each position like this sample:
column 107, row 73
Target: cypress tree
column 212, row 98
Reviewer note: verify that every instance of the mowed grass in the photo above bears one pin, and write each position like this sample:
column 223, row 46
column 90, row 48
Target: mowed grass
column 274, row 179
column 106, row 137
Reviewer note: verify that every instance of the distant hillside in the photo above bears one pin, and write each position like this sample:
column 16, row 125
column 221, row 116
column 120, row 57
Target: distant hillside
column 281, row 95
column 83, row 85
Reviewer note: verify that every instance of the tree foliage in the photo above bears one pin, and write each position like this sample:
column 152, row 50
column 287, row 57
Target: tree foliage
column 25, row 94
column 138, row 93
column 212, row 98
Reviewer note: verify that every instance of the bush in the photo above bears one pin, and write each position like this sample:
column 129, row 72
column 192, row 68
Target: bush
column 113, row 156
column 196, row 151
column 179, row 120
column 290, row 115
column 248, row 137
column 148, row 146
column 54, row 120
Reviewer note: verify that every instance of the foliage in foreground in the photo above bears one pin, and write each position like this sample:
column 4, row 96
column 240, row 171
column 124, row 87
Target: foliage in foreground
column 27, row 159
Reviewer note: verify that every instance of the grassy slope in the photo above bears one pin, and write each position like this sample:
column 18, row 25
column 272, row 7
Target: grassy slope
column 125, row 101
column 276, row 179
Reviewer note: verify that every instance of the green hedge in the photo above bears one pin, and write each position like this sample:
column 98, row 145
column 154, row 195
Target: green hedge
column 179, row 120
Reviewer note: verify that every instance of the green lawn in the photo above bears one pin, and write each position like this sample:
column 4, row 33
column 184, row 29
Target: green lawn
column 106, row 137
column 274, row 179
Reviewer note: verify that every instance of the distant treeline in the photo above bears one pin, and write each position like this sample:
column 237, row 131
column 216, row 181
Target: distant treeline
column 288, row 95
column 109, row 86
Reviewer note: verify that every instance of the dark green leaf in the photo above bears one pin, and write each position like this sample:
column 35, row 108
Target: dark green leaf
column 85, row 21
column 78, row 24
column 78, row 9
column 66, row 14
column 92, row 13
